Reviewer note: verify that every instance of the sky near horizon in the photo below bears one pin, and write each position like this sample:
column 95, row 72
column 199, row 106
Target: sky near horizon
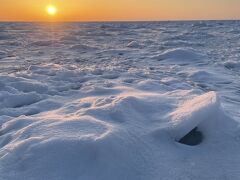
column 119, row 10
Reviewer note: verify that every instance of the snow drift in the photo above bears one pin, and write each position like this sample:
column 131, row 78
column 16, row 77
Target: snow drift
column 121, row 136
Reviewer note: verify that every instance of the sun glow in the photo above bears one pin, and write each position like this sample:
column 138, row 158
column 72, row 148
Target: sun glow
column 51, row 10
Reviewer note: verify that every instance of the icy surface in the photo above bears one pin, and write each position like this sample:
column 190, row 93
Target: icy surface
column 110, row 100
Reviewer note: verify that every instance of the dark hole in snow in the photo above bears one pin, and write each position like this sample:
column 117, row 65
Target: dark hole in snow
column 193, row 138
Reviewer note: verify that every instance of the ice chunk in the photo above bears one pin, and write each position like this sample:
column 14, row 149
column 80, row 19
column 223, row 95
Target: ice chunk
column 133, row 44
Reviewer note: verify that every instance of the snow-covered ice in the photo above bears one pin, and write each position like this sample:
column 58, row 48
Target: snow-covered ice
column 111, row 101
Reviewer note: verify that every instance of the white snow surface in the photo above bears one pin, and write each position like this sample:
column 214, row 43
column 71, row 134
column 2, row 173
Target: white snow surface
column 110, row 101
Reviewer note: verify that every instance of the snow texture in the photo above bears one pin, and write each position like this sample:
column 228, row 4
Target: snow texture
column 87, row 101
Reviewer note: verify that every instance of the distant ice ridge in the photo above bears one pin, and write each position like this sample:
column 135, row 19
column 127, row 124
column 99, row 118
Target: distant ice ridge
column 181, row 56
column 134, row 44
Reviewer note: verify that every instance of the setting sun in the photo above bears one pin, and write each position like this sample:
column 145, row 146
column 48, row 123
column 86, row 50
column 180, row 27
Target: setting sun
column 51, row 10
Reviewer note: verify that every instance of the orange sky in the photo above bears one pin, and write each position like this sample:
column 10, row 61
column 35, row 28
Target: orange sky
column 110, row 10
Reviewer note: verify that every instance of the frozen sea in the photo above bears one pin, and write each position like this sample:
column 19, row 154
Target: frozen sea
column 112, row 101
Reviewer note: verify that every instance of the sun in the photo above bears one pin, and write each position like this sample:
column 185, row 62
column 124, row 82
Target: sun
column 51, row 10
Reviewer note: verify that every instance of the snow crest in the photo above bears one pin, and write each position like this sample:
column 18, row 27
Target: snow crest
column 194, row 112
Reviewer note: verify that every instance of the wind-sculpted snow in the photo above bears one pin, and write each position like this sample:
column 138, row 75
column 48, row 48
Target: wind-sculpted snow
column 113, row 100
column 181, row 56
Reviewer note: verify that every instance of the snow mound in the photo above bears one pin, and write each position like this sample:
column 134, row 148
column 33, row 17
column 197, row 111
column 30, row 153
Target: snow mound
column 200, row 75
column 232, row 65
column 180, row 55
column 19, row 99
column 29, row 86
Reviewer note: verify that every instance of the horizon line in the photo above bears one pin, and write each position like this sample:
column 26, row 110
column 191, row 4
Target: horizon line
column 109, row 21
